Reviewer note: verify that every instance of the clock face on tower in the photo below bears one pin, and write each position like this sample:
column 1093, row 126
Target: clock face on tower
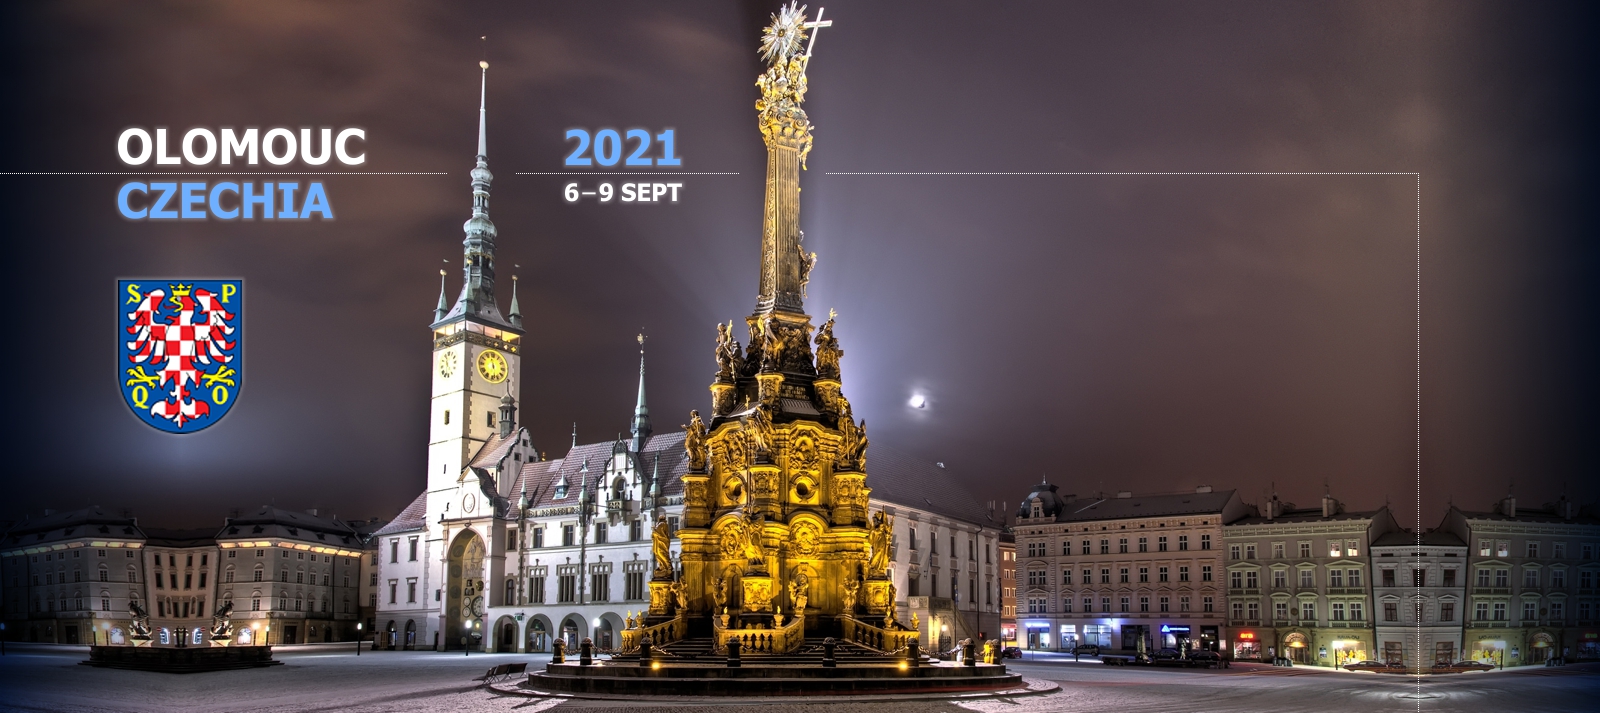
column 448, row 362
column 492, row 366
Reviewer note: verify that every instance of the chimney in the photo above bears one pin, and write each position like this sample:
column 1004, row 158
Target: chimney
column 1203, row 489
column 311, row 511
column 1331, row 507
column 1125, row 494
column 1568, row 508
column 1508, row 507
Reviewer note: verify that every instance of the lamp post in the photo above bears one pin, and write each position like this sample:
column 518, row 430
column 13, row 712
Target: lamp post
column 358, row 638
column 2, row 638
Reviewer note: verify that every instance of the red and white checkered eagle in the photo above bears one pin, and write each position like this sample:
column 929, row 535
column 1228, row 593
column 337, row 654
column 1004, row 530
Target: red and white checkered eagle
column 196, row 334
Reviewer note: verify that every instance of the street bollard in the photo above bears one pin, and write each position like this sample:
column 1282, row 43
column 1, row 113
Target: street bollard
column 733, row 653
column 559, row 651
column 586, row 652
column 644, row 652
column 969, row 653
column 913, row 653
column 828, row 645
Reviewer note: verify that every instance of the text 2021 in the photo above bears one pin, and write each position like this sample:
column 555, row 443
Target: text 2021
column 607, row 148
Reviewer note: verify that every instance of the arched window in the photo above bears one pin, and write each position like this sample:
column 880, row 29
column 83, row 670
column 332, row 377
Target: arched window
column 227, row 576
column 258, row 573
column 105, row 574
column 511, row 592
column 133, row 574
column 299, row 576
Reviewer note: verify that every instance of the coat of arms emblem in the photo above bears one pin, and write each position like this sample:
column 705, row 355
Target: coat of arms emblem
column 178, row 353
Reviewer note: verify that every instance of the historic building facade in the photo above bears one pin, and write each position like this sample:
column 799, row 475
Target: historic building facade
column 277, row 576
column 1298, row 582
column 1125, row 571
column 1419, row 588
column 1534, row 591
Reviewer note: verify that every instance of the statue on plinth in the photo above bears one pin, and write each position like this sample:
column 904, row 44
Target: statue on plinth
column 140, row 626
column 880, row 539
column 660, row 549
column 221, row 627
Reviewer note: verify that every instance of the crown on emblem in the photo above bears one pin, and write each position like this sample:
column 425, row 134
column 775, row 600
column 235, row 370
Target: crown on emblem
column 181, row 290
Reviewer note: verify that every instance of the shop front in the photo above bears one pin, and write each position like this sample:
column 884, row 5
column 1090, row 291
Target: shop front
column 1250, row 644
column 1008, row 632
column 1586, row 645
column 1038, row 635
column 1209, row 639
column 1345, row 649
column 1176, row 636
column 1068, row 637
column 1496, row 648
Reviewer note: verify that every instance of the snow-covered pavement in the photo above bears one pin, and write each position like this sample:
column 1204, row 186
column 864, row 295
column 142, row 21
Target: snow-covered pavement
column 41, row 678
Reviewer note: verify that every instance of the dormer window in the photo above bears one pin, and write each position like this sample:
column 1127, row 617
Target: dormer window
column 561, row 487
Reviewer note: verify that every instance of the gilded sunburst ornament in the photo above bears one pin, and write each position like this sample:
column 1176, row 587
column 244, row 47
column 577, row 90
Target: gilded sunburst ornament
column 783, row 37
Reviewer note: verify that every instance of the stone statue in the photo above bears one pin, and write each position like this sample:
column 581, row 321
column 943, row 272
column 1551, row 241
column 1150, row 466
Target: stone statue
column 719, row 594
column 758, row 429
column 729, row 360
column 680, row 596
column 694, row 442
column 772, row 344
column 799, row 592
column 851, row 587
column 853, row 442
column 140, row 626
column 806, row 263
column 916, row 625
column 880, row 539
column 660, row 549
column 750, row 539
column 221, row 628
column 828, row 351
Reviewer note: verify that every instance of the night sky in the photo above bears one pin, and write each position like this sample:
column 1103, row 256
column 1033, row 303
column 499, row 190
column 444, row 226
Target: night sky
column 1109, row 332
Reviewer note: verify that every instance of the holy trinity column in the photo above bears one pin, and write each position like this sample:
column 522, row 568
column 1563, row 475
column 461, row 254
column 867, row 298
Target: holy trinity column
column 775, row 501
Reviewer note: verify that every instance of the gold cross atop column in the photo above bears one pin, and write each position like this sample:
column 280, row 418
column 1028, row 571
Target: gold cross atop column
column 816, row 29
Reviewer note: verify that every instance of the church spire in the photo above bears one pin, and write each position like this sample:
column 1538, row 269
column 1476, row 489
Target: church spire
column 516, row 311
column 641, row 412
column 477, row 301
column 443, row 307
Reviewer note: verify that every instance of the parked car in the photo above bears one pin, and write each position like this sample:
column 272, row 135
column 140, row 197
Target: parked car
column 1086, row 650
column 1166, row 655
column 1373, row 666
column 1011, row 652
column 1462, row 667
column 1205, row 658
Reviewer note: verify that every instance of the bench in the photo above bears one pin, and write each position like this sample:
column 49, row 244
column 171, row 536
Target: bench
column 502, row 672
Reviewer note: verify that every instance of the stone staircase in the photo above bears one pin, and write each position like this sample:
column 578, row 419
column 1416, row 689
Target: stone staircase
column 810, row 653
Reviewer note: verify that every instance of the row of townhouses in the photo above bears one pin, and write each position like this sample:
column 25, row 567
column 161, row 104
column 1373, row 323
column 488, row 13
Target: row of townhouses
column 1326, row 586
column 286, row 577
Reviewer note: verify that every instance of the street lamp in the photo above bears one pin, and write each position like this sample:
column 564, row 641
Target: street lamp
column 358, row 638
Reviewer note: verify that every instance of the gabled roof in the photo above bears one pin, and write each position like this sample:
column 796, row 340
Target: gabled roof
column 1431, row 538
column 412, row 518
column 270, row 521
column 494, row 450
column 1101, row 508
column 540, row 478
column 85, row 522
column 1305, row 515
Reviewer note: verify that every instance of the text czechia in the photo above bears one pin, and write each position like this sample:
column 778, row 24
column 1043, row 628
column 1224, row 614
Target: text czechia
column 226, row 200
column 233, row 200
